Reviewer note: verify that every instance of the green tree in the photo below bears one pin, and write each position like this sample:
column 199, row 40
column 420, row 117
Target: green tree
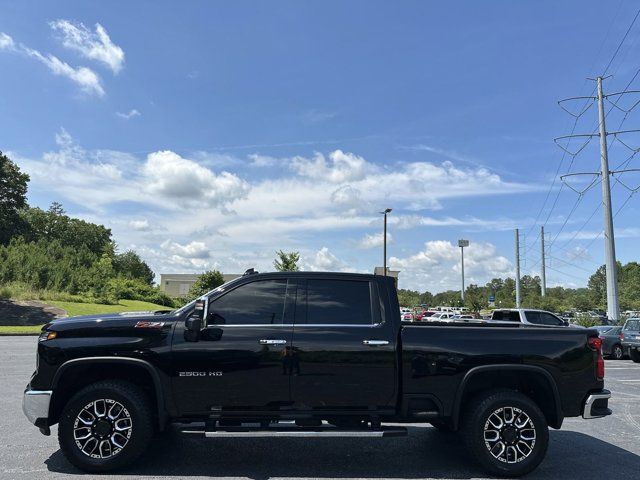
column 13, row 198
column 408, row 298
column 205, row 282
column 129, row 265
column 286, row 261
column 475, row 298
column 54, row 224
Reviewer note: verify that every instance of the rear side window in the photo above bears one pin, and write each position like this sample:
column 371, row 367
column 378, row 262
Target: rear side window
column 506, row 316
column 338, row 302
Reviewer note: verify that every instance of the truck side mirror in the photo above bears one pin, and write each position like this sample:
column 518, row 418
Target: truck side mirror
column 195, row 322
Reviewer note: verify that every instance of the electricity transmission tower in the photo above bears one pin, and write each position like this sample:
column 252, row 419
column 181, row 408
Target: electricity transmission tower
column 543, row 272
column 613, row 309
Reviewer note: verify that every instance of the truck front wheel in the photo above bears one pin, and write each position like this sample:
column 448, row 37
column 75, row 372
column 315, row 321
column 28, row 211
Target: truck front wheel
column 506, row 432
column 106, row 425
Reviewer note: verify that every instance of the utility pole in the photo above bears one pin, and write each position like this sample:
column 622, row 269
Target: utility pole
column 462, row 244
column 384, row 240
column 517, row 268
column 613, row 309
column 544, row 268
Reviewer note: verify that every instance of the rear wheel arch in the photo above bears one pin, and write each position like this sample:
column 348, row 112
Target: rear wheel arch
column 534, row 382
column 76, row 374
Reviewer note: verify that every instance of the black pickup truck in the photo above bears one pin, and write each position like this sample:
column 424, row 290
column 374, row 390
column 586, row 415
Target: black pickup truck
column 308, row 354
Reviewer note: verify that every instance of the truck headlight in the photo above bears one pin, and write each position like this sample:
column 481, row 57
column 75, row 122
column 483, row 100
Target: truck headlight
column 44, row 336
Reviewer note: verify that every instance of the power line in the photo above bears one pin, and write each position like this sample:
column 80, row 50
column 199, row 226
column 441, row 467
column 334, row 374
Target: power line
column 611, row 60
column 615, row 54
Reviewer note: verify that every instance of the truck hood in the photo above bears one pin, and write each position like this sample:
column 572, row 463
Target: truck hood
column 111, row 321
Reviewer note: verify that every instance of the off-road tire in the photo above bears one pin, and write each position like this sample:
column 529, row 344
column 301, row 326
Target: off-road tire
column 475, row 418
column 138, row 408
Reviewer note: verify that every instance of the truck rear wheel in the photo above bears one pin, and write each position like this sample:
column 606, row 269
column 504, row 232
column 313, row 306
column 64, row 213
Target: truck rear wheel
column 106, row 425
column 506, row 432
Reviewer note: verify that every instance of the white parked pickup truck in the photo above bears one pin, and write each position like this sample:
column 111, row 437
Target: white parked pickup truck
column 528, row 316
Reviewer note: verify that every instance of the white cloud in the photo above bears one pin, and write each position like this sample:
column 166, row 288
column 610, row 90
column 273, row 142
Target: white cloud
column 577, row 253
column 374, row 240
column 140, row 225
column 437, row 266
column 6, row 42
column 341, row 167
column 191, row 250
column 189, row 184
column 96, row 179
column 130, row 114
column 84, row 77
column 258, row 160
column 324, row 261
column 177, row 207
column 92, row 45
column 88, row 80
column 317, row 116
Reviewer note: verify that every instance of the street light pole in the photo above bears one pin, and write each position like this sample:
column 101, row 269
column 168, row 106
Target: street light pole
column 462, row 244
column 384, row 239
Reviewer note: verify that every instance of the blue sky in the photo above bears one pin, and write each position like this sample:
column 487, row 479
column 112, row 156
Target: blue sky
column 210, row 134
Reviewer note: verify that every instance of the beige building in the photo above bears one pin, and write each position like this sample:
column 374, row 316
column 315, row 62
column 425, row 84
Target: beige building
column 178, row 284
column 390, row 273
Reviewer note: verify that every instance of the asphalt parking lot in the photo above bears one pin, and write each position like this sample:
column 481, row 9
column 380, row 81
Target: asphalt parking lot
column 583, row 449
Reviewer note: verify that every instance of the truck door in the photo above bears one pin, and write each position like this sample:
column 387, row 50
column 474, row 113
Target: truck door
column 343, row 353
column 238, row 361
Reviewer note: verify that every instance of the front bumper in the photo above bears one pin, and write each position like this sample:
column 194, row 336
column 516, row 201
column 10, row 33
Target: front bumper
column 596, row 405
column 35, row 405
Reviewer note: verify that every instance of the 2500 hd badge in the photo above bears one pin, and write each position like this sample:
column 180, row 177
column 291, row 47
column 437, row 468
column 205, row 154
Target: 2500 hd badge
column 309, row 354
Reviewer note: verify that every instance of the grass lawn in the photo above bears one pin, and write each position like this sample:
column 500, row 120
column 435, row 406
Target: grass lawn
column 20, row 330
column 73, row 308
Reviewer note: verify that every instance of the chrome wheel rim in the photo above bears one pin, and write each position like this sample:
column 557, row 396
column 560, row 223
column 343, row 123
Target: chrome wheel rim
column 102, row 428
column 617, row 353
column 509, row 435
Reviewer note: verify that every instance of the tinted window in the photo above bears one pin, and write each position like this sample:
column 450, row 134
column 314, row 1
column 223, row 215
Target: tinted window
column 534, row 317
column 259, row 303
column 632, row 325
column 506, row 316
column 338, row 302
column 548, row 319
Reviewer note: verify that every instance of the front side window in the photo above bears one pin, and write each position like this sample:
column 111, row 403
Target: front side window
column 256, row 303
column 338, row 302
column 534, row 317
column 549, row 319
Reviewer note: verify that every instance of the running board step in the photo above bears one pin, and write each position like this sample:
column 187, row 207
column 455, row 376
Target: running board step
column 277, row 431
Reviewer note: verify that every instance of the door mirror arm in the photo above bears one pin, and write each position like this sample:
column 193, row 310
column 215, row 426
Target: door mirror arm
column 196, row 322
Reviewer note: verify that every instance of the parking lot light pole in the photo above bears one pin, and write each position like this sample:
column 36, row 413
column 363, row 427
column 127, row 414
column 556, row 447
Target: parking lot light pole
column 462, row 244
column 384, row 239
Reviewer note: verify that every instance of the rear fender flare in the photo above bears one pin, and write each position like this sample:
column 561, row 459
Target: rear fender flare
column 457, row 404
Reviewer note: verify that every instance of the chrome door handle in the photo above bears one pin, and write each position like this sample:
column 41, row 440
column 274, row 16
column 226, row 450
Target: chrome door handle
column 375, row 343
column 268, row 341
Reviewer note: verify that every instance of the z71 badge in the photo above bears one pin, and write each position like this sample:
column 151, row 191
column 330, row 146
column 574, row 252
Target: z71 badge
column 199, row 374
